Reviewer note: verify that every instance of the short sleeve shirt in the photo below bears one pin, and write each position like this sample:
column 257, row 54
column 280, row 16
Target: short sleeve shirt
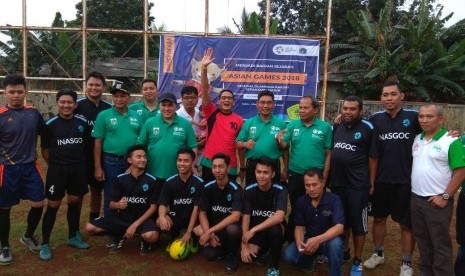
column 308, row 144
column 163, row 140
column 349, row 156
column 18, row 134
column 219, row 203
column 65, row 139
column 261, row 205
column 118, row 131
column 319, row 219
column 180, row 196
column 141, row 192
column 222, row 130
column 263, row 134
column 143, row 111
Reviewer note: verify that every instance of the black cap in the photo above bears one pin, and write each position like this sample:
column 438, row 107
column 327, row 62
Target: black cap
column 120, row 87
column 167, row 97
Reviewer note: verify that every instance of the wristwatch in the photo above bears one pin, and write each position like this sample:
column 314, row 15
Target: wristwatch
column 445, row 196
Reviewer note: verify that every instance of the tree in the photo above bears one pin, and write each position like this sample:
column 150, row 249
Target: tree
column 250, row 23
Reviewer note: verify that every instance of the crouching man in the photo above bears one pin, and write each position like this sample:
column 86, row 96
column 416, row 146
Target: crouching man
column 319, row 221
column 133, row 205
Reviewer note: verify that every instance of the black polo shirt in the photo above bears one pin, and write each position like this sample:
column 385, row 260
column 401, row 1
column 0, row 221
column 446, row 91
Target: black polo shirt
column 319, row 219
column 394, row 140
column 65, row 139
column 180, row 196
column 261, row 205
column 141, row 192
column 219, row 203
column 349, row 157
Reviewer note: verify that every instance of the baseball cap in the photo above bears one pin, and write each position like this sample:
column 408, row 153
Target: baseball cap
column 167, row 97
column 120, row 87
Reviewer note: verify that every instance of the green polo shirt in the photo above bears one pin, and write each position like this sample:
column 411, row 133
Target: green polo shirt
column 463, row 183
column 308, row 144
column 143, row 111
column 263, row 134
column 117, row 130
column 163, row 140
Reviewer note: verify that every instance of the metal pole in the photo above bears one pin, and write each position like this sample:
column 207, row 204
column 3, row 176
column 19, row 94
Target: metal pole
column 325, row 68
column 84, row 45
column 206, row 17
column 267, row 18
column 146, row 38
column 24, row 35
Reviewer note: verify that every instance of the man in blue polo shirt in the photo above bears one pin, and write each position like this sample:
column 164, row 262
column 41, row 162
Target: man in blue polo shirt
column 319, row 221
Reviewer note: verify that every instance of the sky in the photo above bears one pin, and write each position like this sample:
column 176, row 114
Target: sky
column 177, row 15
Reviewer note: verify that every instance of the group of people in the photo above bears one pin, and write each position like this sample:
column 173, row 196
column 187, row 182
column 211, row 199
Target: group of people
column 164, row 169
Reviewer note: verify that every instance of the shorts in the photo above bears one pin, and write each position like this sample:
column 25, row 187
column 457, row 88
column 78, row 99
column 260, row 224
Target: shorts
column 117, row 226
column 21, row 181
column 392, row 199
column 355, row 203
column 62, row 179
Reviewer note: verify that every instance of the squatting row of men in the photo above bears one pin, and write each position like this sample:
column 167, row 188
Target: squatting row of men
column 145, row 157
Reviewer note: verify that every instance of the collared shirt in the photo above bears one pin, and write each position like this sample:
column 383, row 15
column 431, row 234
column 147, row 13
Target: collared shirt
column 143, row 111
column 118, row 131
column 219, row 203
column 308, row 144
column 319, row 219
column 263, row 133
column 163, row 140
column 196, row 118
column 180, row 196
column 18, row 135
column 349, row 156
column 434, row 162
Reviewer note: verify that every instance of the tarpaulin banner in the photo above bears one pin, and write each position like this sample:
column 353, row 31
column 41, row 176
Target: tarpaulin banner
column 288, row 67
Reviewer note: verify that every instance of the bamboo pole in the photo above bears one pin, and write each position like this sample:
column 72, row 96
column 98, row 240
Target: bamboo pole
column 326, row 61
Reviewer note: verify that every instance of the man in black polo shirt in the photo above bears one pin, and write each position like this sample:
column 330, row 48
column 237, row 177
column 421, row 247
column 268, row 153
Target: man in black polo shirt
column 90, row 107
column 133, row 204
column 319, row 221
column 220, row 212
column 395, row 130
column 180, row 198
column 350, row 173
column 62, row 147
column 265, row 206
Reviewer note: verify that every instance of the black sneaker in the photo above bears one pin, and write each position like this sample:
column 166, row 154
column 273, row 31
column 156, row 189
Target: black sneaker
column 232, row 263
column 145, row 247
column 118, row 245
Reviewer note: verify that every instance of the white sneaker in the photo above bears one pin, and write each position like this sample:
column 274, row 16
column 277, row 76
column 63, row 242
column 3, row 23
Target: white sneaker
column 373, row 261
column 406, row 270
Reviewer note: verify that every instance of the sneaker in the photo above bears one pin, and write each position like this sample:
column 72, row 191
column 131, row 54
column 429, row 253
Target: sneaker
column 356, row 270
column 308, row 269
column 31, row 242
column 232, row 263
column 5, row 256
column 272, row 271
column 118, row 245
column 77, row 242
column 321, row 259
column 145, row 247
column 263, row 258
column 373, row 261
column 45, row 253
column 110, row 241
column 406, row 270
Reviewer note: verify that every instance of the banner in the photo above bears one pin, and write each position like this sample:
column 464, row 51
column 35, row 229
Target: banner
column 287, row 67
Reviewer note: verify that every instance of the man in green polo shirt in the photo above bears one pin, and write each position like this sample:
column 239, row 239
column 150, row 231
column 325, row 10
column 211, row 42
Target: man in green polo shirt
column 257, row 137
column 164, row 135
column 115, row 130
column 148, row 107
column 310, row 140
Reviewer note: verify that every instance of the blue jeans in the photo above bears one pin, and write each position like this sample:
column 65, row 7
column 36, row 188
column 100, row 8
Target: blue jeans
column 333, row 249
column 113, row 165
